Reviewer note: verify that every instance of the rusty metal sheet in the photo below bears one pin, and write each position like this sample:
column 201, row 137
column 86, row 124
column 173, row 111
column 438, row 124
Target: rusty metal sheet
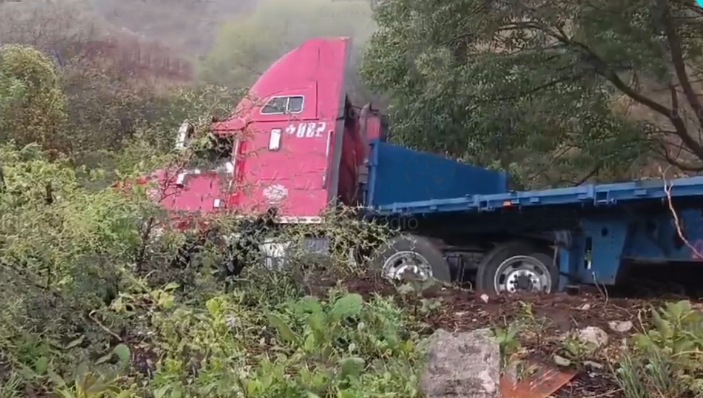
column 541, row 382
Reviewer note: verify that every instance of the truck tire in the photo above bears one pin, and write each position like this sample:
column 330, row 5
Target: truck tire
column 410, row 253
column 517, row 266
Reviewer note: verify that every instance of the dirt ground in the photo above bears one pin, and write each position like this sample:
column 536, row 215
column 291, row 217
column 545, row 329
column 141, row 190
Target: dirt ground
column 542, row 322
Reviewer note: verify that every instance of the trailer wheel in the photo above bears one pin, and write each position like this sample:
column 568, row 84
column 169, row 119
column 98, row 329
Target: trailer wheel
column 515, row 267
column 411, row 256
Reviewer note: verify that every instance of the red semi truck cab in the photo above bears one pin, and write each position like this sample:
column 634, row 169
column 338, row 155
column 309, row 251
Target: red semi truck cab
column 298, row 145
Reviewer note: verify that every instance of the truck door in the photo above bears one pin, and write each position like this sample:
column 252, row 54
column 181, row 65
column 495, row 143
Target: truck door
column 284, row 160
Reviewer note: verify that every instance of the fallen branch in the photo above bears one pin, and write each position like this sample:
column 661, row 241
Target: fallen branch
column 677, row 222
column 91, row 316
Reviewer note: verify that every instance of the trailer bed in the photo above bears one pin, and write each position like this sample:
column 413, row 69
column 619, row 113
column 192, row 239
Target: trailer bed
column 594, row 228
column 590, row 195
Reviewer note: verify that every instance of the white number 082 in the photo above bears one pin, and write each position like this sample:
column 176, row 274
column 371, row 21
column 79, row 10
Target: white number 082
column 307, row 130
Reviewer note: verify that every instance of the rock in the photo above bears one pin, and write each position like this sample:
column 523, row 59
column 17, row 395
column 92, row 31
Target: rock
column 484, row 298
column 463, row 365
column 620, row 326
column 585, row 307
column 561, row 361
column 594, row 337
column 594, row 365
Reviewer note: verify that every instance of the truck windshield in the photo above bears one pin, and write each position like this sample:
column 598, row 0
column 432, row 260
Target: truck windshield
column 215, row 155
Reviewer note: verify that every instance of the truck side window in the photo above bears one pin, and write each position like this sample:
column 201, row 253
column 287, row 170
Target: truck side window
column 283, row 105
column 295, row 104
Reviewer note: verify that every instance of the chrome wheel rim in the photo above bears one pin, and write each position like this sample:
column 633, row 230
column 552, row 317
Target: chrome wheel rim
column 522, row 274
column 406, row 264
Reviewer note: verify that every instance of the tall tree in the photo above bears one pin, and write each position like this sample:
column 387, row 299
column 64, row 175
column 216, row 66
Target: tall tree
column 36, row 110
column 565, row 91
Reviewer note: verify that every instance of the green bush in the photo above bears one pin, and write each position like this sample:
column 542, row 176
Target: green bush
column 665, row 360
column 94, row 306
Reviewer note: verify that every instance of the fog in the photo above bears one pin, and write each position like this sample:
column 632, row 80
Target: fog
column 227, row 42
column 186, row 25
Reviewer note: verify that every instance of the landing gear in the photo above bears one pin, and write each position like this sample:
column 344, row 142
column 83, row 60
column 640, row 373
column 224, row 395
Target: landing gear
column 517, row 267
column 411, row 256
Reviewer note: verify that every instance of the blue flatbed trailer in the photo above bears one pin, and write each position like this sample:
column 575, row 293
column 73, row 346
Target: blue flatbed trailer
column 580, row 235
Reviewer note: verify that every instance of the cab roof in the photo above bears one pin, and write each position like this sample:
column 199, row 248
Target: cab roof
column 314, row 65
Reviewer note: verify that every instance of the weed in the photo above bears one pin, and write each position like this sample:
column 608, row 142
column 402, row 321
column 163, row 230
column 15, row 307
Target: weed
column 665, row 360
column 508, row 343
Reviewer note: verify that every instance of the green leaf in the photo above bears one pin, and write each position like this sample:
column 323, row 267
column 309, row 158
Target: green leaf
column 310, row 304
column 100, row 385
column 512, row 331
column 67, row 394
column 176, row 393
column 103, row 359
column 266, row 381
column 253, row 386
column 310, row 343
column 348, row 305
column 123, row 353
column 676, row 311
column 166, row 301
column 57, row 380
column 661, row 325
column 161, row 391
column 683, row 345
column 351, row 367
column 316, row 322
column 75, row 343
column 213, row 306
column 41, row 365
column 284, row 331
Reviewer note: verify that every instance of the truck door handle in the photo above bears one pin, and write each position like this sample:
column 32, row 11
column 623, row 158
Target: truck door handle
column 327, row 158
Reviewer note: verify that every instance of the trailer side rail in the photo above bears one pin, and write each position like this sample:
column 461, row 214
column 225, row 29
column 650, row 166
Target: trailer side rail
column 596, row 195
